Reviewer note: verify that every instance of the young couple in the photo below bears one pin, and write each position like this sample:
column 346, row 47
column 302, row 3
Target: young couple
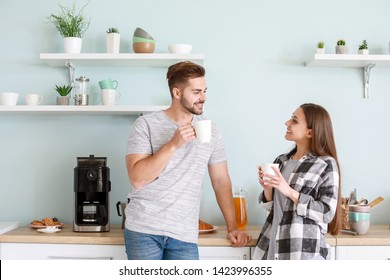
column 166, row 168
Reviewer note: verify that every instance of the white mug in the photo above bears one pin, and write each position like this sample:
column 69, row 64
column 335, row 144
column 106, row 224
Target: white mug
column 8, row 98
column 33, row 99
column 267, row 168
column 110, row 97
column 203, row 131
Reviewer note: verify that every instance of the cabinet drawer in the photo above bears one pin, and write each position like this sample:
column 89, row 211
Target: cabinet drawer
column 363, row 252
column 23, row 251
column 224, row 253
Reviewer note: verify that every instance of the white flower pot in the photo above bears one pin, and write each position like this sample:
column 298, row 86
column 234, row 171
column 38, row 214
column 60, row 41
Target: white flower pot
column 365, row 52
column 113, row 42
column 72, row 44
column 320, row 50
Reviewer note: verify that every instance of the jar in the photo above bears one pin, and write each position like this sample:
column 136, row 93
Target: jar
column 81, row 91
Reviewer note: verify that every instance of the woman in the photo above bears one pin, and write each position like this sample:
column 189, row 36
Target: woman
column 303, row 197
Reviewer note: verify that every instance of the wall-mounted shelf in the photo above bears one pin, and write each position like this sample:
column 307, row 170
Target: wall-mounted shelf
column 366, row 62
column 121, row 59
column 73, row 110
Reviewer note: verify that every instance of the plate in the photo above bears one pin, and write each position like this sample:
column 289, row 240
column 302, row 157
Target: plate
column 208, row 230
column 50, row 229
column 37, row 226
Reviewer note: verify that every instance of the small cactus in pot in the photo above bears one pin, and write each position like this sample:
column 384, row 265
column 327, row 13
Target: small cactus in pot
column 113, row 40
column 363, row 48
column 321, row 47
column 63, row 91
column 341, row 47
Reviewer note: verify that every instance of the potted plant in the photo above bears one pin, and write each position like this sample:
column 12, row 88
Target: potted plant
column 113, row 40
column 63, row 91
column 341, row 48
column 363, row 48
column 320, row 47
column 72, row 26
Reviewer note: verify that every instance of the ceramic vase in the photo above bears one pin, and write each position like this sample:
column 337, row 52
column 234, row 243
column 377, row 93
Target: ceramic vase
column 62, row 100
column 113, row 42
column 72, row 44
column 341, row 49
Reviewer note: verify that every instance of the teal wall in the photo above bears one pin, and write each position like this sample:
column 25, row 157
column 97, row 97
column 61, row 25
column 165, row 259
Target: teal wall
column 254, row 56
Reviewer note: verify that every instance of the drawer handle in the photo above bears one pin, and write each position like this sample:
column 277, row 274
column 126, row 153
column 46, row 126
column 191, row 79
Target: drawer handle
column 80, row 258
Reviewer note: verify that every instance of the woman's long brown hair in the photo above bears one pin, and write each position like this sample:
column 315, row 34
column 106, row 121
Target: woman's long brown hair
column 323, row 144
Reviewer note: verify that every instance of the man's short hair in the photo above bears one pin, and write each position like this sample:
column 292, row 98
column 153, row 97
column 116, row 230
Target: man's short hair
column 179, row 73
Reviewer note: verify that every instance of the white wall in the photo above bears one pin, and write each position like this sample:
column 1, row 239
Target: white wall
column 255, row 53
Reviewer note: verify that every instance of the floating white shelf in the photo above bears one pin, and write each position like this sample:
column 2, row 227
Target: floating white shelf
column 121, row 59
column 73, row 110
column 348, row 60
column 366, row 62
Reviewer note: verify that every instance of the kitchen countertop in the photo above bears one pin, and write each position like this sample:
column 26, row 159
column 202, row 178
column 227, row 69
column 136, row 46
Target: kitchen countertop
column 115, row 236
column 7, row 226
column 378, row 235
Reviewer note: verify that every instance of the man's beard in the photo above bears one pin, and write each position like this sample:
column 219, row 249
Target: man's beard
column 192, row 108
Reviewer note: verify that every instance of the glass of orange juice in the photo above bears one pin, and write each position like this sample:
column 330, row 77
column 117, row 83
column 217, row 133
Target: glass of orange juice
column 239, row 198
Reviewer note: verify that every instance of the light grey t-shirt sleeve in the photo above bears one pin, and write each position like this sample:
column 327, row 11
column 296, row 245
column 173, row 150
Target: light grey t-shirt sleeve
column 139, row 138
column 218, row 155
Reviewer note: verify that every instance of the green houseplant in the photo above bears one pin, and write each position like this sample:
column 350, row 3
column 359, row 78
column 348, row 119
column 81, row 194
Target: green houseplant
column 72, row 26
column 320, row 47
column 113, row 40
column 341, row 47
column 63, row 91
column 363, row 47
column 112, row 30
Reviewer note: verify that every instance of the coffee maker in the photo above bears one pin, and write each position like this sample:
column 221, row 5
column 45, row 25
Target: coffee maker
column 91, row 186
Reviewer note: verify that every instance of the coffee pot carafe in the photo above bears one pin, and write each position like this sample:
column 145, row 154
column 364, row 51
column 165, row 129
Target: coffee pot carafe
column 80, row 90
column 121, row 210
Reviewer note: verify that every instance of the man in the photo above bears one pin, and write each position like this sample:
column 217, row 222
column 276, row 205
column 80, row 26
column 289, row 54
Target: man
column 166, row 166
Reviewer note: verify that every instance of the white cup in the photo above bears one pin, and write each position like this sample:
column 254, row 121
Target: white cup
column 203, row 131
column 8, row 98
column 110, row 97
column 267, row 168
column 33, row 99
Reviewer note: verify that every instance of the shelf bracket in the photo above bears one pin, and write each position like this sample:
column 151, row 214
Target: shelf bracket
column 72, row 69
column 366, row 73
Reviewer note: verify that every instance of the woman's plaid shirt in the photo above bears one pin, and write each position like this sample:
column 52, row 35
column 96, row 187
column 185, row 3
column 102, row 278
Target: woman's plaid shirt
column 301, row 233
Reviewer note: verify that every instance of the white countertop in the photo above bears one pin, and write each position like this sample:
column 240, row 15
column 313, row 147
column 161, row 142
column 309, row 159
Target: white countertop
column 7, row 226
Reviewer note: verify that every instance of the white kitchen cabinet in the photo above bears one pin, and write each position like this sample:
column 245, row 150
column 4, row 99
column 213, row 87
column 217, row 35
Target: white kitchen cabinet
column 332, row 252
column 38, row 251
column 224, row 253
column 363, row 252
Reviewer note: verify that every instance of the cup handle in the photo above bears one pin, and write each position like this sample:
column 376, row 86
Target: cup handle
column 40, row 99
column 115, row 83
column 118, row 95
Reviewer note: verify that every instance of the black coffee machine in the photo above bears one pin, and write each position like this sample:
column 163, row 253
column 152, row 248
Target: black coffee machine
column 91, row 186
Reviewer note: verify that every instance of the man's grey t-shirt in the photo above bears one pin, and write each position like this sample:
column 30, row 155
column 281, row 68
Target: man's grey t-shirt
column 169, row 205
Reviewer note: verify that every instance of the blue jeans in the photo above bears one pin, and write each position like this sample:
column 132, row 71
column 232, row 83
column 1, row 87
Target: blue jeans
column 143, row 246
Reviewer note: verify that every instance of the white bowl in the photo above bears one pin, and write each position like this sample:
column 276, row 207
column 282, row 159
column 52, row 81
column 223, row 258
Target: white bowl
column 179, row 48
